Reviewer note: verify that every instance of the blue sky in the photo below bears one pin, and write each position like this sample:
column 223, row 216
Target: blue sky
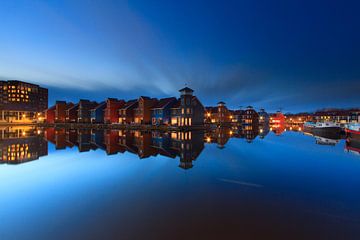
column 298, row 55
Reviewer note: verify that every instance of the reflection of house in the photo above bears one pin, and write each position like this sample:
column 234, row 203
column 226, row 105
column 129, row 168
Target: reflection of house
column 111, row 114
column 188, row 146
column 84, row 140
column 161, row 112
column 189, row 111
column 97, row 138
column 264, row 129
column 126, row 113
column 220, row 136
column 111, row 140
column 142, row 141
column 142, row 113
column 97, row 113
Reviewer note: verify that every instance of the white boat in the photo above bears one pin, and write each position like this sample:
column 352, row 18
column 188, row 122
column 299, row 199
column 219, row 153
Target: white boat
column 322, row 125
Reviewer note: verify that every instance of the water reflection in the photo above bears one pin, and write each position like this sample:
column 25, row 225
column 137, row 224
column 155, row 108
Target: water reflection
column 23, row 144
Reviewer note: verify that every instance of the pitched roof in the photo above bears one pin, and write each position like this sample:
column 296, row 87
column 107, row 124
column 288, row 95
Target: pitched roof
column 177, row 104
column 211, row 109
column 102, row 104
column 164, row 102
column 186, row 89
column 129, row 103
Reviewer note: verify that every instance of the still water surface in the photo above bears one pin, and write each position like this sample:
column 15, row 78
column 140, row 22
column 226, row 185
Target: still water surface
column 216, row 185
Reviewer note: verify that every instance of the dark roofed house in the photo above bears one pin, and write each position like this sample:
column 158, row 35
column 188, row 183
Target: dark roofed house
column 190, row 111
column 142, row 114
column 112, row 110
column 72, row 114
column 161, row 112
column 97, row 113
column 60, row 110
column 84, row 110
column 126, row 112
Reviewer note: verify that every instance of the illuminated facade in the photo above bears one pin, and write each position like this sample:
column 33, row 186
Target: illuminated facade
column 22, row 102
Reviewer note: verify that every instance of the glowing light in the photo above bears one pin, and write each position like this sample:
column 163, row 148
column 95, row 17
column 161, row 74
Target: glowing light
column 208, row 139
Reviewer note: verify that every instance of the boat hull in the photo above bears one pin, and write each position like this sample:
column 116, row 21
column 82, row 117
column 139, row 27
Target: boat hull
column 352, row 134
column 329, row 132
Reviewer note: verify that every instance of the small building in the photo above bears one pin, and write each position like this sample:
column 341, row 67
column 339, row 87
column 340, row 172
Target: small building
column 50, row 115
column 111, row 114
column 278, row 118
column 21, row 102
column 142, row 113
column 84, row 110
column 189, row 111
column 161, row 112
column 264, row 117
column 219, row 115
column 72, row 114
column 97, row 113
column 341, row 116
column 60, row 110
column 250, row 117
column 126, row 112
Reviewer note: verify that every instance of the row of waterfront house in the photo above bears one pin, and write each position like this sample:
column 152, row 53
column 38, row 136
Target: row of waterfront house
column 184, row 111
column 22, row 102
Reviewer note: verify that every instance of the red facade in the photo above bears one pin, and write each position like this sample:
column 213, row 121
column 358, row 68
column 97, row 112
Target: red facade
column 111, row 114
column 50, row 115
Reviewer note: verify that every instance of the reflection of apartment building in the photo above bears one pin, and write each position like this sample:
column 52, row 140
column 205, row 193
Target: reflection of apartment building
column 19, row 145
column 22, row 102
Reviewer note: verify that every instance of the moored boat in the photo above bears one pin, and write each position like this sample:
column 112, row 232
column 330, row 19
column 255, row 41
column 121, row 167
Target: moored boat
column 353, row 130
column 319, row 128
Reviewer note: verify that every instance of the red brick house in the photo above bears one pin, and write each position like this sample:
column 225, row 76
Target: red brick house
column 111, row 114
